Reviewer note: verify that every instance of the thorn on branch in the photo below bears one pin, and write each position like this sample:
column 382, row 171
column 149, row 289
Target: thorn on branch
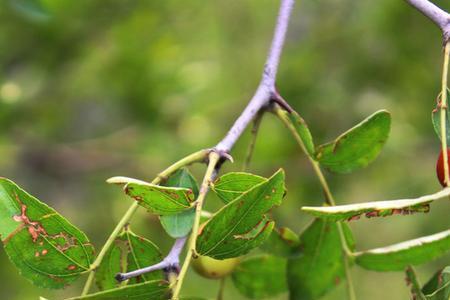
column 278, row 99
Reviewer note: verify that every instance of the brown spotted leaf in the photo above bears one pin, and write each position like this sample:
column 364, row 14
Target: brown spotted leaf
column 44, row 246
column 242, row 225
column 376, row 209
column 160, row 200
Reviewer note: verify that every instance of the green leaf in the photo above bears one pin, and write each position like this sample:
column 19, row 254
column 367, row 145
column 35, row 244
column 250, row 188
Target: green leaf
column 231, row 185
column 320, row 267
column 282, row 242
column 303, row 131
column 261, row 276
column 180, row 224
column 411, row 279
column 128, row 253
column 44, row 246
column 376, row 209
column 156, row 289
column 183, row 178
column 357, row 147
column 241, row 224
column 413, row 252
column 160, row 199
column 436, row 120
column 438, row 288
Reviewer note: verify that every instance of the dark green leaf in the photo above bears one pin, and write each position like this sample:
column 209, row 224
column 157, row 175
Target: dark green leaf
column 160, row 199
column 44, row 246
column 282, row 242
column 128, row 253
column 396, row 257
column 438, row 288
column 156, row 289
column 180, row 224
column 376, row 209
column 241, row 224
column 436, row 120
column 357, row 147
column 231, row 185
column 261, row 276
column 303, row 132
column 320, row 267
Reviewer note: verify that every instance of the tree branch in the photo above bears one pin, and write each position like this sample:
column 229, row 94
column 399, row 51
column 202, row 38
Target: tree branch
column 435, row 14
column 170, row 263
column 266, row 89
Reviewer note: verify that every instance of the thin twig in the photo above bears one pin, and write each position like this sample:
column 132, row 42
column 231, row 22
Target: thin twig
column 266, row 88
column 221, row 292
column 251, row 146
column 329, row 199
column 443, row 112
column 169, row 263
column 214, row 158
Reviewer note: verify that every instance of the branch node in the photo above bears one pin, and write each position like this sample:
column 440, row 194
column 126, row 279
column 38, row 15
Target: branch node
column 277, row 98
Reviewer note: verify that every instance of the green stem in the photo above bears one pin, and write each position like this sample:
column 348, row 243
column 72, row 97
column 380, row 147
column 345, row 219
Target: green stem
column 347, row 254
column 416, row 290
column 221, row 289
column 251, row 147
column 209, row 175
column 443, row 105
column 192, row 158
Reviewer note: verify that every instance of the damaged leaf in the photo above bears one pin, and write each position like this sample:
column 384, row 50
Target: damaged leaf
column 398, row 256
column 155, row 290
column 231, row 185
column 261, row 276
column 320, row 268
column 376, row 209
column 160, row 199
column 438, row 288
column 128, row 253
column 241, row 225
column 413, row 282
column 357, row 147
column 44, row 246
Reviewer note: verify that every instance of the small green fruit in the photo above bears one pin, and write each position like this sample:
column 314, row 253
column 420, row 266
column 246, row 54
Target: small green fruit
column 212, row 268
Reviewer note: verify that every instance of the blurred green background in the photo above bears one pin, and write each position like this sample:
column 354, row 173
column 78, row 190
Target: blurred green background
column 92, row 89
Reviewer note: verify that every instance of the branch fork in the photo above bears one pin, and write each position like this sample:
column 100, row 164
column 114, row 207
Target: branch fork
column 170, row 264
column 439, row 16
